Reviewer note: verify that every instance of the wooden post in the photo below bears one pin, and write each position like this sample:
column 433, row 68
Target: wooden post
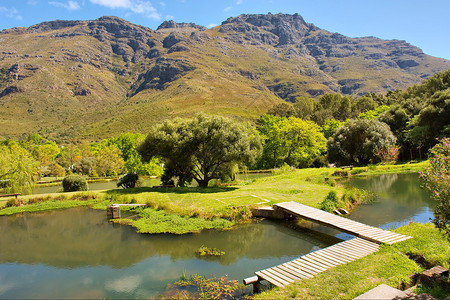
column 253, row 280
column 113, row 211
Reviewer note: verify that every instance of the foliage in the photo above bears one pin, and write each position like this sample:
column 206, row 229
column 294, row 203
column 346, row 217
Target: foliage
column 128, row 180
column 330, row 126
column 56, row 170
column 18, row 169
column 283, row 110
column 109, row 161
column 205, row 251
column 358, row 141
column 158, row 221
column 437, row 179
column 46, row 153
column 374, row 113
column 73, row 183
column 387, row 154
column 289, row 140
column 332, row 106
column 304, row 107
column 199, row 287
column 330, row 202
column 200, row 147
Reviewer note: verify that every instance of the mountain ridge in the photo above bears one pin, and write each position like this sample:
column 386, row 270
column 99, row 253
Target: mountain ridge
column 96, row 78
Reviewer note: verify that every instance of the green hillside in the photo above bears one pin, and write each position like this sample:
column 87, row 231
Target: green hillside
column 86, row 79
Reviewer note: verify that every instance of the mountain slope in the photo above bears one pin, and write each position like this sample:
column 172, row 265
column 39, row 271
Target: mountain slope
column 98, row 78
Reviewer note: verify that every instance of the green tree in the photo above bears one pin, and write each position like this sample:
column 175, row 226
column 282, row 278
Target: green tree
column 282, row 110
column 127, row 143
column 359, row 141
column 289, row 140
column 18, row 169
column 109, row 161
column 437, row 179
column 332, row 106
column 374, row 113
column 330, row 126
column 304, row 107
column 200, row 147
column 46, row 153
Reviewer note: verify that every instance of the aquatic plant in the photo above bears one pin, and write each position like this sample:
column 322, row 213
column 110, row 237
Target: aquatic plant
column 205, row 251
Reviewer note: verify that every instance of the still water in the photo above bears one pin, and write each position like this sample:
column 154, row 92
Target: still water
column 77, row 253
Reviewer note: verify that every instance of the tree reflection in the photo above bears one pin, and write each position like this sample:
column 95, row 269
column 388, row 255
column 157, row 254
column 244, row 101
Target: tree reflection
column 83, row 237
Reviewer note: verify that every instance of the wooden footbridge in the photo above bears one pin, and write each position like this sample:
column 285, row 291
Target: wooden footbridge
column 367, row 242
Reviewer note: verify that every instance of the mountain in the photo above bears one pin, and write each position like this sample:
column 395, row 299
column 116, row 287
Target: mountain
column 86, row 79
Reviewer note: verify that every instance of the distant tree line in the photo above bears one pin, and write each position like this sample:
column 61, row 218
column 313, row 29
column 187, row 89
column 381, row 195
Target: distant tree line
column 417, row 117
column 23, row 162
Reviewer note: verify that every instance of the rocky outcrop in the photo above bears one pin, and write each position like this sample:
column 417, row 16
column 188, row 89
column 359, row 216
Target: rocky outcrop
column 174, row 25
column 10, row 90
column 163, row 72
column 277, row 30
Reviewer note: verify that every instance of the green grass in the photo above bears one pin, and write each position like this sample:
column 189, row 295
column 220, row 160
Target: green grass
column 412, row 167
column 158, row 221
column 47, row 205
column 192, row 209
column 306, row 186
column 390, row 266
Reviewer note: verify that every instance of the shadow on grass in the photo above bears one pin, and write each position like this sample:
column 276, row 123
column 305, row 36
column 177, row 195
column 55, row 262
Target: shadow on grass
column 175, row 190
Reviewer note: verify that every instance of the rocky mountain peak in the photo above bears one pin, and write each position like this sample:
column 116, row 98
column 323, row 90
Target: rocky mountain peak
column 172, row 24
column 285, row 29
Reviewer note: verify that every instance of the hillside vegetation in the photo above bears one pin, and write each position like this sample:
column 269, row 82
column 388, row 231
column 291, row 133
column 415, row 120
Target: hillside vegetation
column 86, row 79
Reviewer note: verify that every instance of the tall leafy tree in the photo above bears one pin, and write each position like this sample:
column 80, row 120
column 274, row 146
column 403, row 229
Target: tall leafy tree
column 289, row 140
column 201, row 148
column 109, row 161
column 359, row 141
column 18, row 169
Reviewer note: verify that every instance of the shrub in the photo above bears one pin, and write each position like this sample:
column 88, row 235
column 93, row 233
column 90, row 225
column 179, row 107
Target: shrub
column 73, row 183
column 128, row 180
column 329, row 203
column 437, row 180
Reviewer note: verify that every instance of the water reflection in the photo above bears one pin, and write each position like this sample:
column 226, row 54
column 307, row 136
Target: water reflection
column 76, row 253
column 399, row 200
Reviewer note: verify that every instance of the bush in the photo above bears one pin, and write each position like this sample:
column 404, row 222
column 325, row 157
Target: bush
column 128, row 180
column 73, row 183
column 329, row 203
column 437, row 180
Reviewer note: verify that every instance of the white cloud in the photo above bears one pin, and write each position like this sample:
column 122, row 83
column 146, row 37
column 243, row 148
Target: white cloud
column 136, row 6
column 212, row 25
column 32, row 2
column 126, row 284
column 10, row 13
column 239, row 2
column 169, row 17
column 162, row 3
column 70, row 5
column 228, row 8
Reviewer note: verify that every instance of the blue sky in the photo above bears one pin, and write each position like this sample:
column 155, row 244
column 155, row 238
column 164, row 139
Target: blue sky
column 424, row 24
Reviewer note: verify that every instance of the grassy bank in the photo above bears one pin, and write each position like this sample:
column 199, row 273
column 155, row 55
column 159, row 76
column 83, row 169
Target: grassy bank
column 412, row 167
column 391, row 265
column 192, row 209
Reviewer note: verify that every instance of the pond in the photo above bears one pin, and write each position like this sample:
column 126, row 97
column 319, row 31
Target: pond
column 399, row 199
column 77, row 253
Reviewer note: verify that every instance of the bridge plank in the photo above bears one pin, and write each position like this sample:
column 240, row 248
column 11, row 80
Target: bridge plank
column 350, row 226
